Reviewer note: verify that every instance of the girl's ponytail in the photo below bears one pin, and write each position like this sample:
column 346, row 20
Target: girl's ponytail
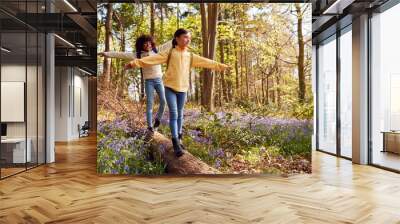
column 174, row 43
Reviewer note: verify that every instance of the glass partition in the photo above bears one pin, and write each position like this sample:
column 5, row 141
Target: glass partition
column 327, row 95
column 346, row 92
column 385, row 89
column 22, row 88
column 41, row 97
column 13, row 103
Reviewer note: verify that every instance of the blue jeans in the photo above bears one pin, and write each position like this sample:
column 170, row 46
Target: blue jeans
column 175, row 101
column 150, row 86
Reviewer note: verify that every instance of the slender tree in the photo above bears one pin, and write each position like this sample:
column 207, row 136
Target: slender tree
column 152, row 19
column 107, row 44
column 300, row 64
column 209, row 30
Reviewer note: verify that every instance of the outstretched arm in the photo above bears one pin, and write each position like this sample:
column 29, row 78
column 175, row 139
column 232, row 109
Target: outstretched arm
column 165, row 46
column 122, row 55
column 202, row 62
column 156, row 59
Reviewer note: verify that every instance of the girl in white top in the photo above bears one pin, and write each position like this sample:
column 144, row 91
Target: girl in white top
column 145, row 46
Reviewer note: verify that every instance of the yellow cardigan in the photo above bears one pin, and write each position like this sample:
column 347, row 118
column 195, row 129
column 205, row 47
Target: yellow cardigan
column 177, row 75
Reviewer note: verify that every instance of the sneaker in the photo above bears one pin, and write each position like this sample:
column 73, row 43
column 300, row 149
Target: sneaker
column 177, row 148
column 156, row 123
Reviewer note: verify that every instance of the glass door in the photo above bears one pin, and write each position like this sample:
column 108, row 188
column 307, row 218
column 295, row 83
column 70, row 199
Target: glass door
column 385, row 89
column 346, row 92
column 22, row 78
column 327, row 95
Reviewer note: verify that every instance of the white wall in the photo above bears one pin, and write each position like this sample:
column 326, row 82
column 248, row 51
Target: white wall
column 71, row 87
column 80, row 85
column 33, row 127
column 61, row 103
column 16, row 73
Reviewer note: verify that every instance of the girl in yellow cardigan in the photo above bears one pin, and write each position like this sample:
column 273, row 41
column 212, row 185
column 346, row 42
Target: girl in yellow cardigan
column 176, row 79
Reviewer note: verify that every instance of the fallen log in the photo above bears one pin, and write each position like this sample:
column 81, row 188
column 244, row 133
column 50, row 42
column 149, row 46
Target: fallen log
column 186, row 164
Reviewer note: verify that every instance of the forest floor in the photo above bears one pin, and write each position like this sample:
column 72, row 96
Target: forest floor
column 232, row 142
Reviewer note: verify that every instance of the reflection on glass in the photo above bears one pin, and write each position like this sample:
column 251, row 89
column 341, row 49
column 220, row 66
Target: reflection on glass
column 327, row 96
column 31, row 101
column 13, row 85
column 41, row 98
column 22, row 88
column 346, row 93
column 386, row 89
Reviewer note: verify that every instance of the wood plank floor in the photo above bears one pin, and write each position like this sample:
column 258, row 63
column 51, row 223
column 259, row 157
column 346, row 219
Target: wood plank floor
column 70, row 191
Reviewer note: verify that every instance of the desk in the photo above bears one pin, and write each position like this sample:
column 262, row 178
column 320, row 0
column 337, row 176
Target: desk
column 391, row 141
column 15, row 148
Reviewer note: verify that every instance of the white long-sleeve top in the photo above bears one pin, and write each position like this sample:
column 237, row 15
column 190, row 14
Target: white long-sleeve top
column 150, row 72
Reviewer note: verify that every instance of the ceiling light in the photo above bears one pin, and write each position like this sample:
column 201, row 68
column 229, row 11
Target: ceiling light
column 86, row 72
column 70, row 5
column 5, row 50
column 337, row 7
column 65, row 41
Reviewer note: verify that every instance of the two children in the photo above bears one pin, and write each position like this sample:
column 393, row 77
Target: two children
column 179, row 62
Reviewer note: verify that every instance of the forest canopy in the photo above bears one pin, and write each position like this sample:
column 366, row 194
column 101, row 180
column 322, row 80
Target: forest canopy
column 268, row 47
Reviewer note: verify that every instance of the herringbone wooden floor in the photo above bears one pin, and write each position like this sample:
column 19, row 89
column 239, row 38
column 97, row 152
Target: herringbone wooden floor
column 70, row 191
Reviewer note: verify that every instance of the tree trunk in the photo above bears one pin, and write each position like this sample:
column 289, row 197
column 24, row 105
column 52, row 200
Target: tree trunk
column 197, row 88
column 246, row 73
column 177, row 16
column 204, row 35
column 107, row 43
column 218, row 91
column 141, row 96
column 241, row 71
column 190, row 93
column 261, row 76
column 141, row 86
column 228, row 87
column 208, row 77
column 262, row 88
column 152, row 19
column 186, row 164
column 161, row 22
column 222, row 78
column 278, row 90
column 273, row 98
column 236, row 69
column 267, row 91
column 300, row 64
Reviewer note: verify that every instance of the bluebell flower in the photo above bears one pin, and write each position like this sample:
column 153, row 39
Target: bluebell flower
column 126, row 168
column 217, row 163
